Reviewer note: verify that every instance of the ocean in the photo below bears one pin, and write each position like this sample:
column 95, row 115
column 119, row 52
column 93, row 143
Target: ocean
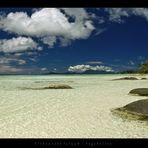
column 81, row 112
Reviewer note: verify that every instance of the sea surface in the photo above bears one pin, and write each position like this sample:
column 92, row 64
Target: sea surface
column 81, row 112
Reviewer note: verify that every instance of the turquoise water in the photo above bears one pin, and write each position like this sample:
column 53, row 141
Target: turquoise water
column 56, row 76
column 81, row 112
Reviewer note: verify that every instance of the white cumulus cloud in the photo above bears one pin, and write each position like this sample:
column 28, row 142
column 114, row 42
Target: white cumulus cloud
column 18, row 44
column 49, row 24
column 82, row 68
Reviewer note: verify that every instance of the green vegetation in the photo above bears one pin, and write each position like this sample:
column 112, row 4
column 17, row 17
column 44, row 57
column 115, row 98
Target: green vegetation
column 129, row 72
column 143, row 68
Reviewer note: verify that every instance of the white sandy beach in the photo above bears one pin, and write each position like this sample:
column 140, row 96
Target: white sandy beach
column 81, row 112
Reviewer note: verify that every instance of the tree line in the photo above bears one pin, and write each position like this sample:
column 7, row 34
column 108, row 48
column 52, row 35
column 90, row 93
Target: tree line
column 143, row 69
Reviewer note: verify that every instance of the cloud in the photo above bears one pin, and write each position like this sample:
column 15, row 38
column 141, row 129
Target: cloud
column 99, row 31
column 18, row 54
column 131, row 62
column 95, row 62
column 7, row 69
column 143, row 12
column 117, row 14
column 11, row 69
column 61, row 25
column 11, row 66
column 100, row 19
column 49, row 24
column 18, row 44
column 7, row 65
column 9, row 60
column 82, row 68
column 50, row 41
column 33, row 59
column 31, row 53
column 21, row 62
column 44, row 69
column 140, row 58
column 64, row 42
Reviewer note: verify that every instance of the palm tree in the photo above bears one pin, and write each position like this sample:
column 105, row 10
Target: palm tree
column 144, row 68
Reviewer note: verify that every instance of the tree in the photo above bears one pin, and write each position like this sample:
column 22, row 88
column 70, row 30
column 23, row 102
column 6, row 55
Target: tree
column 144, row 68
column 129, row 72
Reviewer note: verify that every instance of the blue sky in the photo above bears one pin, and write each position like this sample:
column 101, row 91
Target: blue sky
column 76, row 39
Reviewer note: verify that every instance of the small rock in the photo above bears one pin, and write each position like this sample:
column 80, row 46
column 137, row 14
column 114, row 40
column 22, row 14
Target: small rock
column 57, row 86
column 143, row 78
column 51, row 86
column 127, row 78
column 139, row 91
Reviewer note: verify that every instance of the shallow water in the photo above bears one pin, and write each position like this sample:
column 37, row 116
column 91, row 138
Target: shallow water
column 81, row 112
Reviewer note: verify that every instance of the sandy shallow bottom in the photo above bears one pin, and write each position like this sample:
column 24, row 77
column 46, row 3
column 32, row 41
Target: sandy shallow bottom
column 81, row 112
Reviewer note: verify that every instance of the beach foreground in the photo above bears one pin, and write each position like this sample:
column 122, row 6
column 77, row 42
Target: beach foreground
column 81, row 112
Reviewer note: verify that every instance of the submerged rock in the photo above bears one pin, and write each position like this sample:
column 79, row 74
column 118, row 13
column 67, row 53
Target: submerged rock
column 127, row 78
column 58, row 86
column 143, row 78
column 52, row 86
column 137, row 110
column 139, row 91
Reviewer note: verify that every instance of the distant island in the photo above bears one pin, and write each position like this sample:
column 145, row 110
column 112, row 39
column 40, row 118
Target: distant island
column 85, row 72
column 143, row 69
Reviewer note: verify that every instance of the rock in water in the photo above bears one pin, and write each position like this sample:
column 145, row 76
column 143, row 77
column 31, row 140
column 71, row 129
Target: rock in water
column 143, row 78
column 51, row 86
column 136, row 110
column 127, row 78
column 140, row 106
column 139, row 91
column 57, row 86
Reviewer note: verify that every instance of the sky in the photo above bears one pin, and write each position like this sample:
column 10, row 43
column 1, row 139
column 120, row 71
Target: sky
column 42, row 40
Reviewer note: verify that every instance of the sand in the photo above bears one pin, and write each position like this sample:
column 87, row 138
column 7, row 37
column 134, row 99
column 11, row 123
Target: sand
column 82, row 112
